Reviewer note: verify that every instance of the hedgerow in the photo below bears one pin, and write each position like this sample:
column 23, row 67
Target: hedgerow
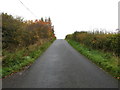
column 102, row 41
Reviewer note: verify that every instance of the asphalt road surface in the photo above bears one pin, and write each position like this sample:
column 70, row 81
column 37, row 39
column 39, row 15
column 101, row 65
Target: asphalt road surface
column 61, row 66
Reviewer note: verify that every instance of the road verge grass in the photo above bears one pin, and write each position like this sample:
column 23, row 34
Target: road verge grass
column 15, row 62
column 104, row 60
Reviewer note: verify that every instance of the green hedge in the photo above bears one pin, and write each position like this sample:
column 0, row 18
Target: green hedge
column 14, row 62
column 105, row 42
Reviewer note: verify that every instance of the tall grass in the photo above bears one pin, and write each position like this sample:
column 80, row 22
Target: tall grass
column 100, row 41
column 14, row 62
column 23, row 41
column 105, row 60
column 102, row 48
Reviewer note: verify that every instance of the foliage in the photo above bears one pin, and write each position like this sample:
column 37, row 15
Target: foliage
column 15, row 62
column 19, row 33
column 105, row 60
column 23, row 41
column 100, row 41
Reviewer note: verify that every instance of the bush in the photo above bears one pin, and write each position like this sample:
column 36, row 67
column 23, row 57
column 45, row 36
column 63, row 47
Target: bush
column 23, row 41
column 18, row 33
column 101, row 41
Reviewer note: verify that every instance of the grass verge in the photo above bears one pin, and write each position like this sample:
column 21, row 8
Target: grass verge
column 15, row 62
column 106, row 61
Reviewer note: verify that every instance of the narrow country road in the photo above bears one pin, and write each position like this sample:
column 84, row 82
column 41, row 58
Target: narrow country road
column 61, row 66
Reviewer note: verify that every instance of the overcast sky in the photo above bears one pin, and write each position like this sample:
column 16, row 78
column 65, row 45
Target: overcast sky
column 67, row 15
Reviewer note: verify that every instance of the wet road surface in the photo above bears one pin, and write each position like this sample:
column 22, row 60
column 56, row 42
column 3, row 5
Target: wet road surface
column 61, row 66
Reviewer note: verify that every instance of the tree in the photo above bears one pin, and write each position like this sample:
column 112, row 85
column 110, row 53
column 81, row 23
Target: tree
column 42, row 19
